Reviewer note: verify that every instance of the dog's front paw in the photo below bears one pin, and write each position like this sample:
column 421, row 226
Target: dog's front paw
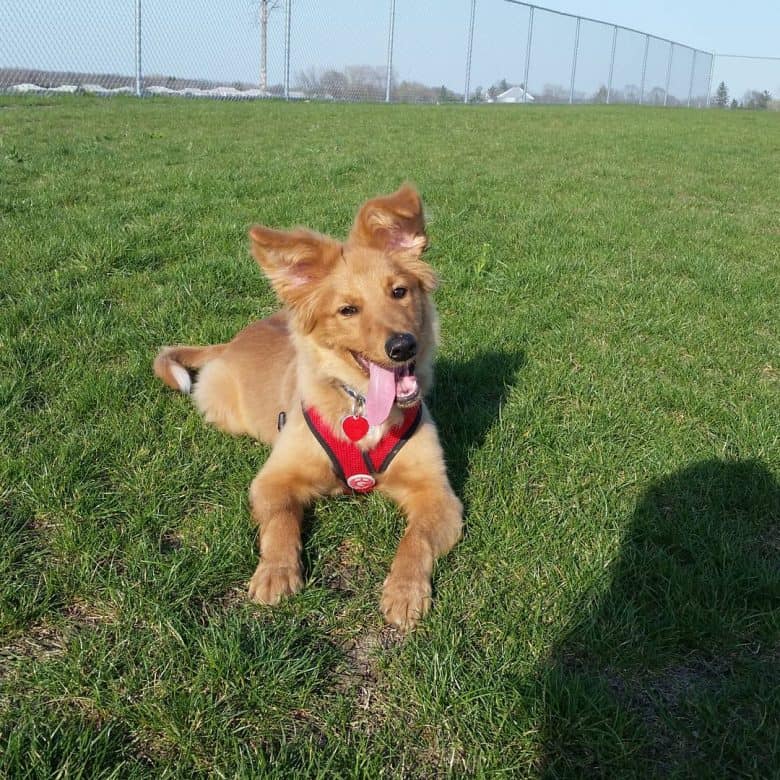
column 405, row 601
column 271, row 582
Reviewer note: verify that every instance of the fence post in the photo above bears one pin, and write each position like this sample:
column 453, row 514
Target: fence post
column 468, row 52
column 644, row 70
column 390, row 34
column 263, row 46
column 574, row 60
column 709, row 80
column 693, row 71
column 139, row 82
column 612, row 62
column 528, row 52
column 287, row 24
column 668, row 72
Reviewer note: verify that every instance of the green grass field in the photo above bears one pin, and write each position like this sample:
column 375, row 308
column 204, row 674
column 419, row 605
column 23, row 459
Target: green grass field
column 608, row 393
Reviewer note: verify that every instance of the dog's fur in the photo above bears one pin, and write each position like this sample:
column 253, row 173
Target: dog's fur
column 340, row 301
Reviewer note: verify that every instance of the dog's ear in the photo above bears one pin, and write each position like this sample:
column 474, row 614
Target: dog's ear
column 392, row 223
column 395, row 224
column 295, row 263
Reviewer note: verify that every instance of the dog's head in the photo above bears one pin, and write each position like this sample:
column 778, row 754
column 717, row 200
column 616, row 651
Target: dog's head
column 362, row 307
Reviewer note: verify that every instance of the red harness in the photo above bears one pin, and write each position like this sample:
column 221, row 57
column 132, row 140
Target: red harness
column 355, row 467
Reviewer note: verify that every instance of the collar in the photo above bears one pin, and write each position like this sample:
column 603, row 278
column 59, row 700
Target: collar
column 358, row 400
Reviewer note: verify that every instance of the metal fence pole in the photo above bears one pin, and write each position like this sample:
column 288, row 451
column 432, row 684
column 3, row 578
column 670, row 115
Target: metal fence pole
column 644, row 71
column 528, row 53
column 139, row 83
column 668, row 72
column 468, row 52
column 574, row 60
column 709, row 80
column 612, row 63
column 693, row 71
column 287, row 24
column 263, row 46
column 390, row 34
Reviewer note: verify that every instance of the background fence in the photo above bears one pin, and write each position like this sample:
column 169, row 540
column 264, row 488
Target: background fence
column 393, row 50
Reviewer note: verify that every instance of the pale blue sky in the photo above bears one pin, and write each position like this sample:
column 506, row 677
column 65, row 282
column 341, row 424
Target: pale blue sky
column 219, row 40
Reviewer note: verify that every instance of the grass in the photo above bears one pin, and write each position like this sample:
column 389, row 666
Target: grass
column 609, row 400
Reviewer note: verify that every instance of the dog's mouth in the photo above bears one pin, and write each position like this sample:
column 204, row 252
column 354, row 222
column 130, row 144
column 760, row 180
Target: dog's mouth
column 388, row 385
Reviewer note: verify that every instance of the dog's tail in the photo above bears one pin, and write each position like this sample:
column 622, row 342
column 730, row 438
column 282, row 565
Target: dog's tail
column 172, row 364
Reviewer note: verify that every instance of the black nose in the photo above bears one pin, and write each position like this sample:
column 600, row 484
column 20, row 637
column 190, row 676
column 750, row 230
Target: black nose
column 401, row 346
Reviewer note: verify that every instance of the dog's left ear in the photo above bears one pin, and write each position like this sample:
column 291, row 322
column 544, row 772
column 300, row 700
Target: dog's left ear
column 395, row 224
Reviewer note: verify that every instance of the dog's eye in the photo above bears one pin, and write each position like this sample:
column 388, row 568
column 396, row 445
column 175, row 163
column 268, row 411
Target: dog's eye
column 348, row 311
column 399, row 292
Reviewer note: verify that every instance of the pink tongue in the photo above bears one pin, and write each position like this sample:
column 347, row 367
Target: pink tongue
column 381, row 394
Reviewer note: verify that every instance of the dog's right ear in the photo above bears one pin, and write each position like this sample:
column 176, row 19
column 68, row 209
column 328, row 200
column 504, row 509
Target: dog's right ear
column 294, row 261
column 393, row 223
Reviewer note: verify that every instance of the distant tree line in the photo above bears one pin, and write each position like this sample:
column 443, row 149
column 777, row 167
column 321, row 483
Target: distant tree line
column 369, row 82
column 558, row 93
column 752, row 99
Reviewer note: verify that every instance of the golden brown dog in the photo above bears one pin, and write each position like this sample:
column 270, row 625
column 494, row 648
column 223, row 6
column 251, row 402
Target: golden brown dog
column 334, row 381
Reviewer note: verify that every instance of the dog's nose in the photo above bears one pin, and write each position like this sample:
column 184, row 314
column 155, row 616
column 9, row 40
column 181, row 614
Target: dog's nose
column 401, row 346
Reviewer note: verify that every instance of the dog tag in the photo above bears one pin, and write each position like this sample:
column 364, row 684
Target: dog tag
column 355, row 428
column 361, row 483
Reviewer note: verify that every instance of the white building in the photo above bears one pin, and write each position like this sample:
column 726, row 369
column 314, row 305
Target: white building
column 515, row 95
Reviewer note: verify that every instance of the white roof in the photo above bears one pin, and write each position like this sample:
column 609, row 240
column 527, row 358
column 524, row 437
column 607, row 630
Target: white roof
column 514, row 95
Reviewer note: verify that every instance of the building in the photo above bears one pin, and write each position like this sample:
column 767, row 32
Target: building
column 514, row 95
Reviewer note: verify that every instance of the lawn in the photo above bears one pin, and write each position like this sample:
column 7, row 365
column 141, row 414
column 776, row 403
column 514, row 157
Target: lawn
column 608, row 394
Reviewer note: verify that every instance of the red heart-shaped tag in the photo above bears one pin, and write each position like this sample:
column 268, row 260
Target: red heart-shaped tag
column 355, row 428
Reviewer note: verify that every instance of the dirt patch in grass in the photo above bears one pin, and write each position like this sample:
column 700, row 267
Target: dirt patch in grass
column 39, row 642
column 362, row 671
column 343, row 571
column 658, row 699
column 770, row 374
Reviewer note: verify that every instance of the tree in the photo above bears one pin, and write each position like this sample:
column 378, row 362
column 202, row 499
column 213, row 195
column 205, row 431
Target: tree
column 734, row 103
column 367, row 82
column 448, row 96
column 554, row 93
column 721, row 95
column 655, row 97
column 308, row 82
column 414, row 92
column 335, row 84
column 631, row 93
column 756, row 100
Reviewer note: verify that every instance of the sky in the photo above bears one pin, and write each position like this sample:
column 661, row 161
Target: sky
column 750, row 27
column 220, row 40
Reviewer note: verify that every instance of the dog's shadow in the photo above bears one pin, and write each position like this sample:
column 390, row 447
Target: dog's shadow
column 465, row 402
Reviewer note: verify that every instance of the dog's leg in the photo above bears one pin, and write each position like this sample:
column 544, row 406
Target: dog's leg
column 278, row 512
column 435, row 520
column 278, row 496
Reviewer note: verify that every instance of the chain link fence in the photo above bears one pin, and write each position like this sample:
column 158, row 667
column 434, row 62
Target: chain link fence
column 346, row 50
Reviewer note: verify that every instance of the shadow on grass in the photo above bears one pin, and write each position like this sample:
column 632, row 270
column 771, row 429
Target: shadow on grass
column 675, row 670
column 465, row 402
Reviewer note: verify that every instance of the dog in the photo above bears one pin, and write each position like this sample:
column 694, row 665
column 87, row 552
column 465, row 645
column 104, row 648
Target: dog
column 335, row 381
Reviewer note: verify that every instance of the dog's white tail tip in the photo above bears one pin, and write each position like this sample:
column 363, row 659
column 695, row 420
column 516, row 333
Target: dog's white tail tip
column 182, row 377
